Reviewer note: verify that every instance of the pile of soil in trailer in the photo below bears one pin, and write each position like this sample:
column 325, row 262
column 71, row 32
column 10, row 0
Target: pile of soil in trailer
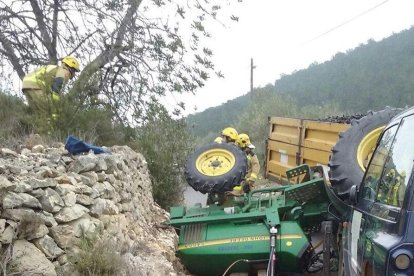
column 342, row 119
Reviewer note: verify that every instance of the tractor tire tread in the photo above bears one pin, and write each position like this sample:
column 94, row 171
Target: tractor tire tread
column 344, row 169
column 216, row 184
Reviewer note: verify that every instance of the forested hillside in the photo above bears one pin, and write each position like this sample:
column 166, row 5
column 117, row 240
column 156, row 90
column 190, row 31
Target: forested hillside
column 370, row 77
column 206, row 122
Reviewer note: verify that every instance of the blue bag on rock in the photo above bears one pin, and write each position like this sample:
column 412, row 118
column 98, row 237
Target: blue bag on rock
column 76, row 146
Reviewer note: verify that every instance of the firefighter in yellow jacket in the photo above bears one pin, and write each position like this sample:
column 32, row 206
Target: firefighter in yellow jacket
column 253, row 162
column 396, row 191
column 42, row 87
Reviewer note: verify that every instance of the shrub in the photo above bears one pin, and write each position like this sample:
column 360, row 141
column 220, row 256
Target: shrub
column 14, row 121
column 96, row 256
column 165, row 143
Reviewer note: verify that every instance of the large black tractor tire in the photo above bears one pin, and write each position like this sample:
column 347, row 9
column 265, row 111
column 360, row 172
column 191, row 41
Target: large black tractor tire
column 353, row 150
column 216, row 168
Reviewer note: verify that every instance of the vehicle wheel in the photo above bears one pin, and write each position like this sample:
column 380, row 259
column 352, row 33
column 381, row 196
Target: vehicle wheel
column 354, row 148
column 216, row 168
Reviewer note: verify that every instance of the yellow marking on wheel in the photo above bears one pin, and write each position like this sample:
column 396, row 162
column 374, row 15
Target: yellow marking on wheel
column 367, row 146
column 215, row 162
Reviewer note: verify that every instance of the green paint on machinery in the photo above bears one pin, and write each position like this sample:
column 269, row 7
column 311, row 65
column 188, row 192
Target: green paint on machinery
column 235, row 237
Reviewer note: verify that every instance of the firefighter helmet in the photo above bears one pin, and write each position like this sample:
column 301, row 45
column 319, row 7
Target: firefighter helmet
column 71, row 62
column 230, row 132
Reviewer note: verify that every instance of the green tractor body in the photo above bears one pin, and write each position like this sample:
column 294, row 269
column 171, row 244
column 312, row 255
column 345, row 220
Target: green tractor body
column 235, row 237
column 279, row 229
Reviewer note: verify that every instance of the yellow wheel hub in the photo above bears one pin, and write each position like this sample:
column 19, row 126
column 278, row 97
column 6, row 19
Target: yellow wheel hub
column 367, row 146
column 215, row 162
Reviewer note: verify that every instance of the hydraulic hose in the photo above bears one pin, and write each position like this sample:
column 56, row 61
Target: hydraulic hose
column 230, row 266
column 270, row 265
column 272, row 257
column 242, row 260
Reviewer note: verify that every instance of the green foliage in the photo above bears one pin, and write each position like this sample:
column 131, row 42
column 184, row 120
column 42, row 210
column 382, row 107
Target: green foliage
column 165, row 143
column 214, row 119
column 94, row 123
column 264, row 102
column 138, row 58
column 370, row 77
column 96, row 257
column 13, row 118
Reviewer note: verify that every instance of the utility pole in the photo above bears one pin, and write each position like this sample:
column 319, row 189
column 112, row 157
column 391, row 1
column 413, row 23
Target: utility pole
column 251, row 77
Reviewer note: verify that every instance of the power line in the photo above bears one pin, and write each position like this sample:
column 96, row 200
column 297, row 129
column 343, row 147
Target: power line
column 347, row 21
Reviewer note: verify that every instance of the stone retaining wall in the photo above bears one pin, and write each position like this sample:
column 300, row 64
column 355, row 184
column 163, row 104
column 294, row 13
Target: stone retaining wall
column 49, row 200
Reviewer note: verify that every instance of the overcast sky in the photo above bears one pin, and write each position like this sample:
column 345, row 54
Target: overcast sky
column 287, row 35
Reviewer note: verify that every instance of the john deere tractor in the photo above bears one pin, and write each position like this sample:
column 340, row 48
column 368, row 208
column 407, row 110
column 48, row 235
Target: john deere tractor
column 281, row 229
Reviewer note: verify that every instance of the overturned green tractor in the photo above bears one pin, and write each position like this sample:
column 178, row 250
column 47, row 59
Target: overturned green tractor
column 268, row 229
column 280, row 229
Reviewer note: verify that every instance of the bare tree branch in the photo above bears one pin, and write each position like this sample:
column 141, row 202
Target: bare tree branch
column 40, row 18
column 55, row 29
column 11, row 55
column 130, row 55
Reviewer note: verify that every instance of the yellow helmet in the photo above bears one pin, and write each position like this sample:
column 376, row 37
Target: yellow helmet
column 230, row 132
column 391, row 173
column 71, row 62
column 243, row 140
